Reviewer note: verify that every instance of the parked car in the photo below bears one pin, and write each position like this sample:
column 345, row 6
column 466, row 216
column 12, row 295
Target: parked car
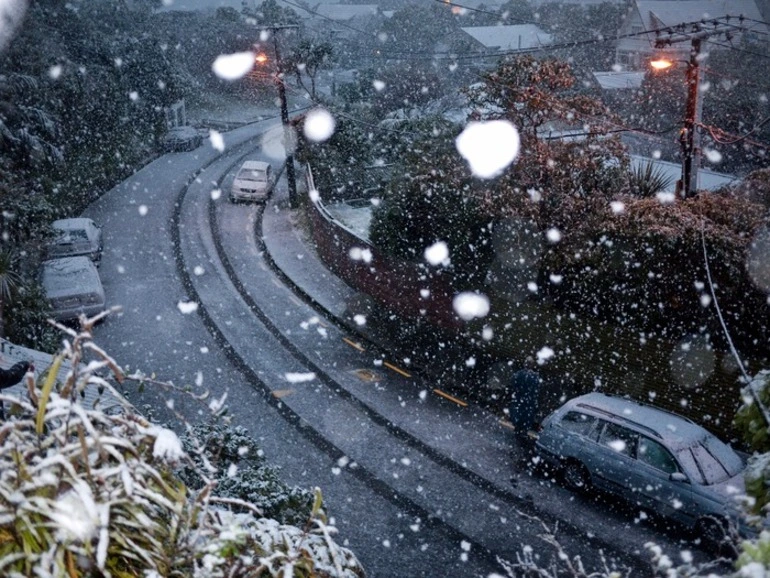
column 651, row 458
column 253, row 182
column 72, row 286
column 181, row 138
column 76, row 237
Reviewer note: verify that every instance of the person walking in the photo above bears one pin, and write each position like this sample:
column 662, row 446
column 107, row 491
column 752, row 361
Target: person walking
column 525, row 398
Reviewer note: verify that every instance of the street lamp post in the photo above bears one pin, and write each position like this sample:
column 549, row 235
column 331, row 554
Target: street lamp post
column 690, row 134
column 288, row 137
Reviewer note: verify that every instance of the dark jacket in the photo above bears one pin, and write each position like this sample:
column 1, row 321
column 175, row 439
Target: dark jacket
column 14, row 374
column 525, row 390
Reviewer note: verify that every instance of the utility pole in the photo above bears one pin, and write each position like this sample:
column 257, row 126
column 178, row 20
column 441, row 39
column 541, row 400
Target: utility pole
column 288, row 137
column 689, row 137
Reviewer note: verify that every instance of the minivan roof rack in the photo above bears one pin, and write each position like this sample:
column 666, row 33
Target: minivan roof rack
column 617, row 417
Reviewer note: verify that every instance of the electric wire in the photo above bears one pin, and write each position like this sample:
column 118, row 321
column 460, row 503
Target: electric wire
column 620, row 127
column 731, row 47
column 713, row 130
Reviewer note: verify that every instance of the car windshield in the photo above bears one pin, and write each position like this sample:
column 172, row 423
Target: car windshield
column 710, row 461
column 252, row 175
column 72, row 235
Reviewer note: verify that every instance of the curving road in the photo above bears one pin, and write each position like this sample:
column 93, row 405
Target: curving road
column 417, row 485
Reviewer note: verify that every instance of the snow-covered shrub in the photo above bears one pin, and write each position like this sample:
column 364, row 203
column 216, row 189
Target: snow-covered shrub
column 751, row 421
column 239, row 467
column 92, row 491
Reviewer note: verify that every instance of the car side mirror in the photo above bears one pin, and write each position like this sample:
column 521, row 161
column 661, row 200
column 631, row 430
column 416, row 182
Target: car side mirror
column 678, row 477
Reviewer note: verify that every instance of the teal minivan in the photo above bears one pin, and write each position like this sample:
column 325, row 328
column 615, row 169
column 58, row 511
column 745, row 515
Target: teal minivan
column 653, row 459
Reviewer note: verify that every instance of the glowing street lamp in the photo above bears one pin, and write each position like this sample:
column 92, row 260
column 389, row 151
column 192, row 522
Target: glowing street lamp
column 689, row 137
column 661, row 63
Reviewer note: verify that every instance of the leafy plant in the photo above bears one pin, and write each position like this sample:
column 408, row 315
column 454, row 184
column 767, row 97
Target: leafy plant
column 648, row 179
column 238, row 465
column 93, row 491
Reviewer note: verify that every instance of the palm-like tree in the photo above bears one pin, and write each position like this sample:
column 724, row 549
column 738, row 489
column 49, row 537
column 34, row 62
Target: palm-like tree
column 648, row 179
column 10, row 281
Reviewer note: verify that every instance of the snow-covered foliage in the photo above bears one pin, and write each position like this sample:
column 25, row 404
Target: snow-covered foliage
column 235, row 461
column 88, row 491
column 752, row 421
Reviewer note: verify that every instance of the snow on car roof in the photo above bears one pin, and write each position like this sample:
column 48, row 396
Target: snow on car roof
column 255, row 165
column 70, row 275
column 669, row 426
column 73, row 223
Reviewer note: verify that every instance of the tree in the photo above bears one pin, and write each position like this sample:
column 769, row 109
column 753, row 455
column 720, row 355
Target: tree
column 339, row 164
column 422, row 207
column 10, row 281
column 270, row 13
column 307, row 59
column 98, row 492
column 538, row 94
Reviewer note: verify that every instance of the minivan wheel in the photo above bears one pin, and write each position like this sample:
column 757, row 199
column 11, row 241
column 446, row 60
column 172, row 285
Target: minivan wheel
column 713, row 531
column 576, row 477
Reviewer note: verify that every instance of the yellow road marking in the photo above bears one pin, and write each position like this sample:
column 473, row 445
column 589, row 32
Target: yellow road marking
column 396, row 369
column 276, row 282
column 506, row 423
column 279, row 393
column 366, row 375
column 352, row 344
column 459, row 402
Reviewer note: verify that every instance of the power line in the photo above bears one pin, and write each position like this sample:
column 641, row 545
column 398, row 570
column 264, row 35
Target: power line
column 731, row 47
column 479, row 10
column 735, row 138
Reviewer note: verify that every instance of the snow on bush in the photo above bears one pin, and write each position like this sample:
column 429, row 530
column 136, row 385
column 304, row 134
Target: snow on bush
column 87, row 491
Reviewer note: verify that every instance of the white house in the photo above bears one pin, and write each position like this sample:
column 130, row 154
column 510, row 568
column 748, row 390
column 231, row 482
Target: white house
column 525, row 37
column 634, row 51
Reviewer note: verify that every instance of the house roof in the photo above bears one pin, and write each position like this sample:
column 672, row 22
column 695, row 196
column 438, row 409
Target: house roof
column 618, row 80
column 657, row 13
column 520, row 36
column 11, row 353
column 342, row 12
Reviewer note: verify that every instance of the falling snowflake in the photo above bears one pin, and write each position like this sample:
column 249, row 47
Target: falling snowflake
column 319, row 125
column 489, row 147
column 544, row 355
column 299, row 377
column 469, row 305
column 217, row 141
column 233, row 66
column 187, row 307
column 437, row 254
